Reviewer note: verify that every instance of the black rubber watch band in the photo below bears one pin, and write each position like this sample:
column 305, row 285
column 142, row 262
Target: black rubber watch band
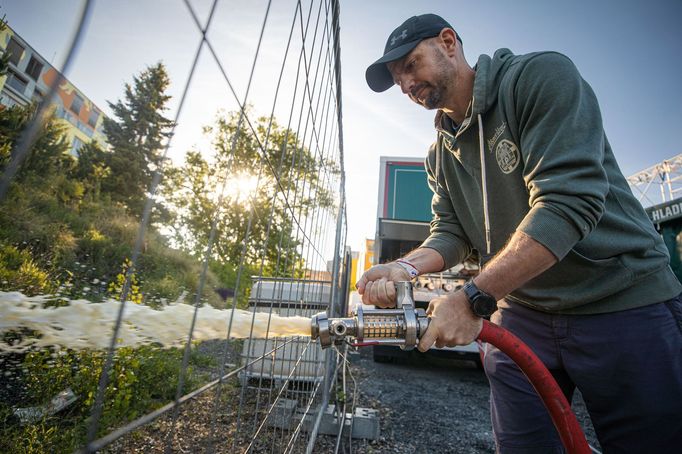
column 482, row 304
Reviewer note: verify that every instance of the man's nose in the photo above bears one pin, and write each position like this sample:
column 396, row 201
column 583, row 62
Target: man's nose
column 406, row 84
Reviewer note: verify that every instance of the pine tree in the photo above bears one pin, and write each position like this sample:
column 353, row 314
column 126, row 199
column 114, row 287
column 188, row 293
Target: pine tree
column 49, row 153
column 137, row 136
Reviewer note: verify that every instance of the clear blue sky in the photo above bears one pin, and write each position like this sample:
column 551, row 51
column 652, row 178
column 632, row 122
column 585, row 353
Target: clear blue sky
column 629, row 51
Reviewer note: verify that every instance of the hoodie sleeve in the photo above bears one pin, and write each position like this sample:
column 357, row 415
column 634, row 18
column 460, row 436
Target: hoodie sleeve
column 447, row 236
column 562, row 143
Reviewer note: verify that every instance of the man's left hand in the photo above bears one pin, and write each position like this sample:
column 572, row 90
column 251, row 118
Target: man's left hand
column 452, row 322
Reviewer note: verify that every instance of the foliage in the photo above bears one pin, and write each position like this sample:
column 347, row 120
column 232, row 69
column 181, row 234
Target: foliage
column 91, row 169
column 68, row 226
column 141, row 380
column 18, row 271
column 116, row 286
column 136, row 137
column 49, row 154
column 291, row 184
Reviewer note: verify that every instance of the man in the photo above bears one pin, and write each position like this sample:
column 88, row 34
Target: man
column 522, row 172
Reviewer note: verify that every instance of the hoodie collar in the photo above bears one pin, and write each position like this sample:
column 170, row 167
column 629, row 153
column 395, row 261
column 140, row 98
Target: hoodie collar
column 489, row 72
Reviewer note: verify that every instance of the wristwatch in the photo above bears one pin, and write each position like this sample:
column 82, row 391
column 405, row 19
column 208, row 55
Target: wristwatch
column 482, row 304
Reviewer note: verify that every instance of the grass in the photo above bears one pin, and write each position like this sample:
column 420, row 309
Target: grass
column 141, row 381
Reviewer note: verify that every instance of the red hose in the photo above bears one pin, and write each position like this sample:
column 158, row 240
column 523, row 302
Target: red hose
column 559, row 409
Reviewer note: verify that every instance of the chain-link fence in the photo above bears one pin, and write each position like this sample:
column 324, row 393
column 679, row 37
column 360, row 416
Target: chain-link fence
column 258, row 222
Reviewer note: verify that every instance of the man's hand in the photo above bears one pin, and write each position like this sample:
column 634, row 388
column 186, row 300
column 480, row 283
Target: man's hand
column 452, row 322
column 377, row 284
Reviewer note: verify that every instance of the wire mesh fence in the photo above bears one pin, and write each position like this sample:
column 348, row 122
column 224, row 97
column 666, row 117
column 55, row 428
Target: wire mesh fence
column 254, row 221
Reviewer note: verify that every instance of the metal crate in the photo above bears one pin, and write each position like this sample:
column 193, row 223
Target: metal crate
column 299, row 361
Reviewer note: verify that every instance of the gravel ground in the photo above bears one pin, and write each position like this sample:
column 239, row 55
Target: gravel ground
column 428, row 405
column 425, row 405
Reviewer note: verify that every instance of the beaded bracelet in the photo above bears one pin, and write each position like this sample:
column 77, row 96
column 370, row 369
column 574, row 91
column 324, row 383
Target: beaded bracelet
column 410, row 268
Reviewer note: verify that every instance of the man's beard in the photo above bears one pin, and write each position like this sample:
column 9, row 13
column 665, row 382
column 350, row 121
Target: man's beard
column 435, row 97
column 442, row 80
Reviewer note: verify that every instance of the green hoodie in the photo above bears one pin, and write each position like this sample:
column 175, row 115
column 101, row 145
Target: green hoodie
column 532, row 156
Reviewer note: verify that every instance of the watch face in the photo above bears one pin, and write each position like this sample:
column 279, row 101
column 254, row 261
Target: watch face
column 484, row 305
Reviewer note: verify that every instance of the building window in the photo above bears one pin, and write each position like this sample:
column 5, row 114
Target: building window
column 17, row 82
column 76, row 104
column 16, row 50
column 34, row 68
column 92, row 119
column 76, row 145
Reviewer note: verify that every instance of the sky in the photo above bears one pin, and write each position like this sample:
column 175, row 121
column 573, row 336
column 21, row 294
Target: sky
column 629, row 51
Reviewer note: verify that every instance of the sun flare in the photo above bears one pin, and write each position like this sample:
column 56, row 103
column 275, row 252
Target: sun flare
column 240, row 187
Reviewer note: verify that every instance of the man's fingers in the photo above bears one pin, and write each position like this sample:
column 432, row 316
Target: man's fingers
column 368, row 277
column 428, row 338
column 382, row 296
column 390, row 291
column 377, row 286
column 367, row 294
column 429, row 310
column 360, row 285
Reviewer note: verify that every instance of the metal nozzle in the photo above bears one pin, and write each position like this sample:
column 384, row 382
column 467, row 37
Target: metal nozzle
column 402, row 326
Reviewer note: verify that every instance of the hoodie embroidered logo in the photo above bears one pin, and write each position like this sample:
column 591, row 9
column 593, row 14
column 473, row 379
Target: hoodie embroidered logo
column 507, row 154
column 498, row 132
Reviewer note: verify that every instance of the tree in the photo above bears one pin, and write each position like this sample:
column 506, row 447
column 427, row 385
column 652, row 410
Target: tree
column 48, row 155
column 291, row 185
column 136, row 137
column 91, row 169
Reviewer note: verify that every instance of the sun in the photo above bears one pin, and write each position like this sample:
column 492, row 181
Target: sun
column 241, row 186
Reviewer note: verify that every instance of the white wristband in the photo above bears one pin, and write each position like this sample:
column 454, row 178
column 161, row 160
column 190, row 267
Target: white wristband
column 410, row 268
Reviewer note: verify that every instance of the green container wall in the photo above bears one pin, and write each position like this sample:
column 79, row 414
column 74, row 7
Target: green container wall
column 407, row 196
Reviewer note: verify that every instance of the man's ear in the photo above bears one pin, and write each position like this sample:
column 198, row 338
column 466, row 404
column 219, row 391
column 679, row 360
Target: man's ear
column 448, row 39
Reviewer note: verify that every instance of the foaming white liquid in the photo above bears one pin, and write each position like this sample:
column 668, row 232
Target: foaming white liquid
column 86, row 325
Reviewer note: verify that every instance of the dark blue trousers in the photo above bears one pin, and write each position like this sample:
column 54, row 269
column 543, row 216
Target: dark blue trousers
column 627, row 365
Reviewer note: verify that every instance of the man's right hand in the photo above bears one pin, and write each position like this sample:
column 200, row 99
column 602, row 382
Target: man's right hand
column 377, row 284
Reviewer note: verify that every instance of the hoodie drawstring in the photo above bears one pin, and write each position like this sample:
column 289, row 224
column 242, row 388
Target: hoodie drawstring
column 439, row 150
column 486, row 218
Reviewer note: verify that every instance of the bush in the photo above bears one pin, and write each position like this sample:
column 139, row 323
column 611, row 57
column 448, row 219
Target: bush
column 140, row 381
column 18, row 271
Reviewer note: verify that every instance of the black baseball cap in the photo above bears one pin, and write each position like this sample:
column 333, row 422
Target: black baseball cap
column 400, row 43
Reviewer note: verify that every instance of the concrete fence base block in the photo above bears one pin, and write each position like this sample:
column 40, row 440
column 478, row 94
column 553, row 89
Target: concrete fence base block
column 282, row 414
column 365, row 423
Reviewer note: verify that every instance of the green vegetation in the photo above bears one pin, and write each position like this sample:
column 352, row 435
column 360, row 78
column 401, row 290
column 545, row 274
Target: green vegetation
column 66, row 230
column 141, row 380
column 193, row 194
column 68, row 226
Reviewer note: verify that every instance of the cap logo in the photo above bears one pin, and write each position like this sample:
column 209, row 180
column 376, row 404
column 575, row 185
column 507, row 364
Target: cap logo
column 399, row 37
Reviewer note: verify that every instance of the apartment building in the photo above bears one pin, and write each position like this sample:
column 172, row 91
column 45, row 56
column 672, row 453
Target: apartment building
column 28, row 80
